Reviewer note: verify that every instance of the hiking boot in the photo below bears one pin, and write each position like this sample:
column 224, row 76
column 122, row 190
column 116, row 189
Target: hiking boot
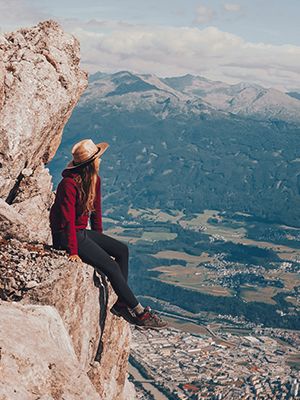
column 150, row 320
column 121, row 310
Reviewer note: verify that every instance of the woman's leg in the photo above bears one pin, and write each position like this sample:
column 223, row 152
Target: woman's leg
column 116, row 248
column 91, row 253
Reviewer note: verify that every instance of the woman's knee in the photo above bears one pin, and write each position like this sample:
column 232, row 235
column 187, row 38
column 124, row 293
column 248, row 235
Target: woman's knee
column 121, row 250
column 124, row 249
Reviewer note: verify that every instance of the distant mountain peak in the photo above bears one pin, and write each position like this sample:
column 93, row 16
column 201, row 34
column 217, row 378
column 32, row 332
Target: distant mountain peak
column 246, row 85
column 123, row 74
column 192, row 93
column 97, row 75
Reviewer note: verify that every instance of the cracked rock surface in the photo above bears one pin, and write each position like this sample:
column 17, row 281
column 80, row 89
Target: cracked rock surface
column 37, row 274
column 40, row 84
column 49, row 306
column 36, row 339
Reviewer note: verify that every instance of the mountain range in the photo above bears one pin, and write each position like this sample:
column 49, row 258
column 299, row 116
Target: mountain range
column 191, row 143
column 193, row 94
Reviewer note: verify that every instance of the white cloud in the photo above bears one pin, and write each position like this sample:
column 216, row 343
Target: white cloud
column 204, row 14
column 232, row 7
column 15, row 14
column 115, row 45
column 168, row 51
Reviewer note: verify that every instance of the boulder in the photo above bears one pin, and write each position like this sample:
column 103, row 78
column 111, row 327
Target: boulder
column 37, row 357
column 40, row 84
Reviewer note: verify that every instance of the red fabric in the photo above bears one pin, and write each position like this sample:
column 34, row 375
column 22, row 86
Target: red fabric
column 66, row 213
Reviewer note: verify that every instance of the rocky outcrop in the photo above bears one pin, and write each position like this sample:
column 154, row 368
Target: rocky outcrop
column 40, row 84
column 37, row 274
column 57, row 301
column 37, row 356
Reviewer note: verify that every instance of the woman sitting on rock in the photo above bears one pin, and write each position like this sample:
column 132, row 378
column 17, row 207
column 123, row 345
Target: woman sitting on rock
column 78, row 197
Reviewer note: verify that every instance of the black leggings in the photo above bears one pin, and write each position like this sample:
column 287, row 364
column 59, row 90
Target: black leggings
column 96, row 249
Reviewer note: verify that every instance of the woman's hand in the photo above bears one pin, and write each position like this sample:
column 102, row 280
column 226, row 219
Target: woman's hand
column 74, row 257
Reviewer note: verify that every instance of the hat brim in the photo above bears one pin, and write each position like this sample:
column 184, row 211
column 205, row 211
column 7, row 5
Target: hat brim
column 102, row 147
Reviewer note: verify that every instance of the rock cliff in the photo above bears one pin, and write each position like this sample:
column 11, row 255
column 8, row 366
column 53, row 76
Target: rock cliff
column 52, row 311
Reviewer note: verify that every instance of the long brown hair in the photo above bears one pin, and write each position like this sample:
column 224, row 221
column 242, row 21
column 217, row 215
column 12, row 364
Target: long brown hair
column 87, row 179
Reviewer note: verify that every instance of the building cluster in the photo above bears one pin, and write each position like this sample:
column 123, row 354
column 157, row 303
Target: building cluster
column 236, row 320
column 288, row 336
column 193, row 227
column 189, row 366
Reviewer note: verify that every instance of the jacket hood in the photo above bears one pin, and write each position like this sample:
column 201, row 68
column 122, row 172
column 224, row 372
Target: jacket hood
column 68, row 172
column 72, row 173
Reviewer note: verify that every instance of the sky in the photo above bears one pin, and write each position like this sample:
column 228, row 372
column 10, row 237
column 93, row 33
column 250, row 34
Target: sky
column 255, row 41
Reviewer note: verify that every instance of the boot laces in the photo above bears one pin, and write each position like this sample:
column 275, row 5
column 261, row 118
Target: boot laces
column 152, row 314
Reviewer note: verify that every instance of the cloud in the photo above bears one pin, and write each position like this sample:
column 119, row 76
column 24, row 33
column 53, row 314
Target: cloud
column 167, row 51
column 204, row 14
column 94, row 25
column 232, row 7
column 112, row 45
column 15, row 14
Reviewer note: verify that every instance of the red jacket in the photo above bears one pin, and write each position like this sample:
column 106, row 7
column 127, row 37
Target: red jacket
column 66, row 214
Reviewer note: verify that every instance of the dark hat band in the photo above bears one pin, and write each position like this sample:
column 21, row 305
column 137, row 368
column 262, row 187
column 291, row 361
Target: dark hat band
column 90, row 158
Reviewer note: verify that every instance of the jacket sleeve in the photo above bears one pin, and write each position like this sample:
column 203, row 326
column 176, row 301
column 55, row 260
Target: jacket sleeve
column 96, row 216
column 67, row 201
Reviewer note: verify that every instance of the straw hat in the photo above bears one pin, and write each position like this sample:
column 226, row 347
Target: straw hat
column 86, row 151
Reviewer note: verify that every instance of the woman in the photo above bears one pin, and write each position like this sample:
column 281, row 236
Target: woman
column 78, row 198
